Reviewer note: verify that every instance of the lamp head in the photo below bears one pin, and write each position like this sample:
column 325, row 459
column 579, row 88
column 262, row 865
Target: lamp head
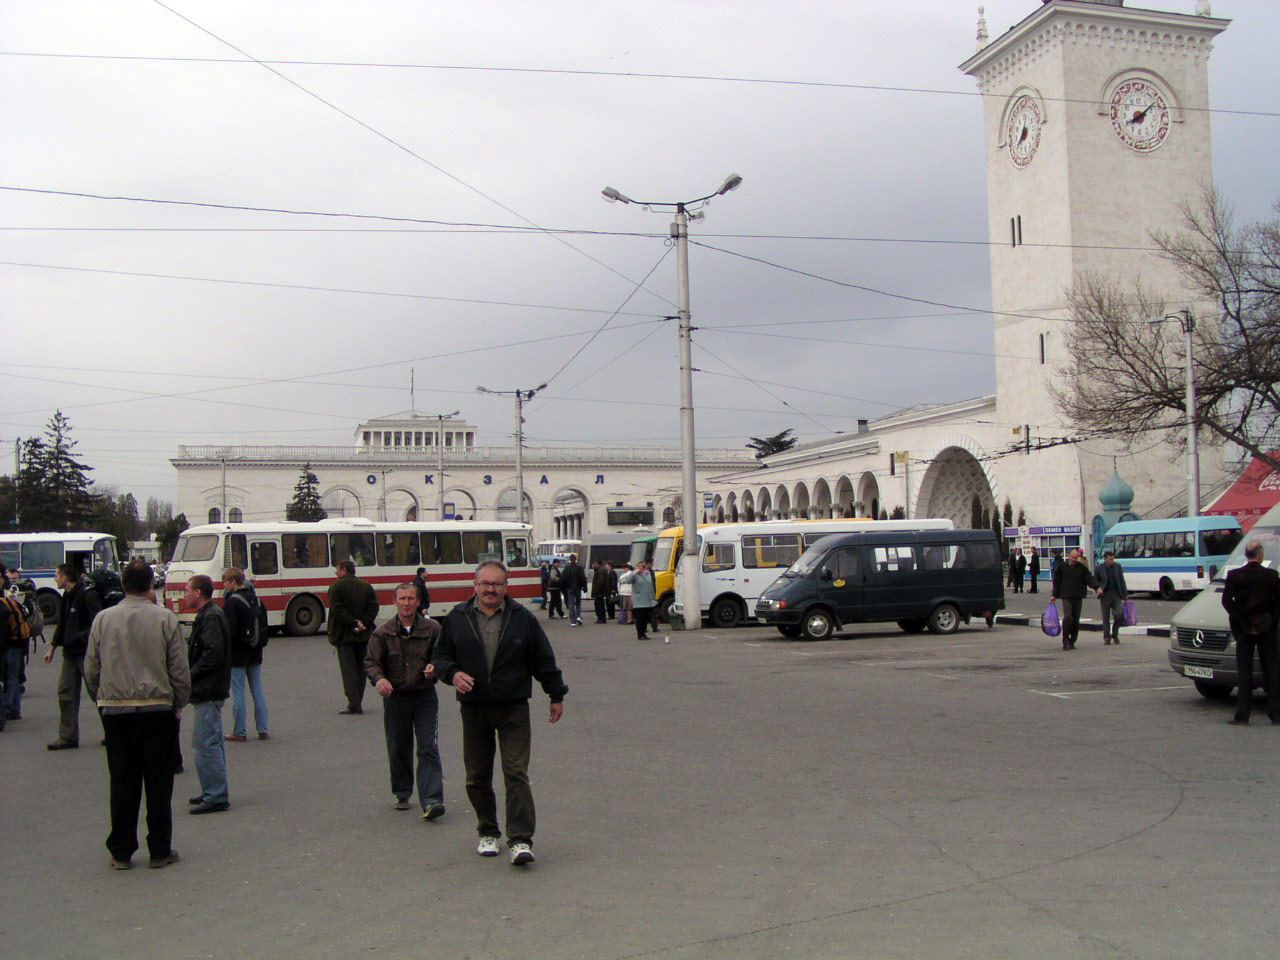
column 731, row 183
column 614, row 196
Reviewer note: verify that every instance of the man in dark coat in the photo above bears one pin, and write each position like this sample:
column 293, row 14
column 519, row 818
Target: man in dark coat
column 573, row 580
column 600, row 590
column 1112, row 592
column 1033, row 570
column 80, row 604
column 247, row 642
column 491, row 649
column 1252, row 601
column 424, row 594
column 209, row 654
column 353, row 613
column 1071, row 583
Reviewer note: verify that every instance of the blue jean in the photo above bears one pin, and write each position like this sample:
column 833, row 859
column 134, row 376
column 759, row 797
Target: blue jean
column 574, row 600
column 239, row 708
column 210, row 751
column 11, row 677
column 404, row 720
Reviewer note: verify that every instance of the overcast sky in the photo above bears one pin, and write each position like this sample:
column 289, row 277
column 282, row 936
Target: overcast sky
column 152, row 325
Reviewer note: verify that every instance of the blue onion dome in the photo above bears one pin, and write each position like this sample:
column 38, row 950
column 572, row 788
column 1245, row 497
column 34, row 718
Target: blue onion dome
column 1116, row 494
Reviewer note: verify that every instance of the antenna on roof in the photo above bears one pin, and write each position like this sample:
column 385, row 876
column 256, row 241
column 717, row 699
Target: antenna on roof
column 412, row 406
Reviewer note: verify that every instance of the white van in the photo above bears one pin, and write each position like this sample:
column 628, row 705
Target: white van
column 740, row 561
column 1200, row 644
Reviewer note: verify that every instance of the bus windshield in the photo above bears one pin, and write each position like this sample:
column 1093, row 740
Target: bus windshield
column 662, row 553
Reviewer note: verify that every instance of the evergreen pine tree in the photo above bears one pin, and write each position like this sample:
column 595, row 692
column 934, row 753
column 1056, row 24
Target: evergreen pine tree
column 53, row 486
column 306, row 498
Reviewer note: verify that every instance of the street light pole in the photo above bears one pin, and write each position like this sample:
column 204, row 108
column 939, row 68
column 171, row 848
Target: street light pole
column 1193, row 447
column 690, row 593
column 522, row 397
column 440, row 418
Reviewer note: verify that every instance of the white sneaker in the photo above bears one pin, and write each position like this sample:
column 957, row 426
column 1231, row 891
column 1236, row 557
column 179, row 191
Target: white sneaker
column 521, row 854
column 488, row 847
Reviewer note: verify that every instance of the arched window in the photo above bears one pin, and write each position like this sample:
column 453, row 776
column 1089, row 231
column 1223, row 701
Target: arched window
column 215, row 515
column 235, row 515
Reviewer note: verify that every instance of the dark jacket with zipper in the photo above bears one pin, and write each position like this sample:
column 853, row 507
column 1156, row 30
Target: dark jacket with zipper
column 241, row 608
column 402, row 659
column 524, row 655
column 209, row 653
column 80, row 605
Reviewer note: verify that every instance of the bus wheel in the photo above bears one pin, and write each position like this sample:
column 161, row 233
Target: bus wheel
column 791, row 630
column 303, row 617
column 50, row 607
column 663, row 610
column 944, row 619
column 726, row 613
column 817, row 625
column 914, row 625
column 1166, row 589
column 1212, row 691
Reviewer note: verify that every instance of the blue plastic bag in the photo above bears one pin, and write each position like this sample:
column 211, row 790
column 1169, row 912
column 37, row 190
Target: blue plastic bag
column 1129, row 610
column 1049, row 621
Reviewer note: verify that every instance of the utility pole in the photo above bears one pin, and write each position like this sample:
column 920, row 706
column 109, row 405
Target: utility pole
column 522, row 397
column 690, row 572
column 1188, row 323
column 440, row 419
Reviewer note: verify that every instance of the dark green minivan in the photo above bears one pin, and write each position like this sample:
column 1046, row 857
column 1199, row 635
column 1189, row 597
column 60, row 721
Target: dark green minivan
column 935, row 579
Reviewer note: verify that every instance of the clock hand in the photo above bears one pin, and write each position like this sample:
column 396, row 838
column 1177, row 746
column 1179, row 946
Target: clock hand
column 1139, row 117
column 1024, row 135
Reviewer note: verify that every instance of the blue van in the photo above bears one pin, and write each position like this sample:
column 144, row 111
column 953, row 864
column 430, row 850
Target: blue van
column 935, row 579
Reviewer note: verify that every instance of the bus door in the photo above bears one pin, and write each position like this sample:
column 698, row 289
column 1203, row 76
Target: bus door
column 263, row 571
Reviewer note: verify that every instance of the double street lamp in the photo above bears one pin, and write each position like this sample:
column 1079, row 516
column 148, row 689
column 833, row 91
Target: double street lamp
column 522, row 397
column 690, row 596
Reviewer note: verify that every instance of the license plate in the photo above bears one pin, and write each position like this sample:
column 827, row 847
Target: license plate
column 1200, row 673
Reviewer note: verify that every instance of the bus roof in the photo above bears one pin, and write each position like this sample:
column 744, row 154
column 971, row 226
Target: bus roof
column 358, row 525
column 1173, row 525
column 44, row 536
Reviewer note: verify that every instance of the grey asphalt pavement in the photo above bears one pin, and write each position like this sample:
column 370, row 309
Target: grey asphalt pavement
column 729, row 794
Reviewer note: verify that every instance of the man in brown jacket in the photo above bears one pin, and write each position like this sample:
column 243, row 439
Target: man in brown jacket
column 398, row 663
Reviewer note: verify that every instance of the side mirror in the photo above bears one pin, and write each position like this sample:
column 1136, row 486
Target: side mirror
column 826, row 574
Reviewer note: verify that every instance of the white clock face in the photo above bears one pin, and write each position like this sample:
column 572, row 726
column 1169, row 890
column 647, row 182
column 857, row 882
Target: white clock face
column 1139, row 115
column 1022, row 135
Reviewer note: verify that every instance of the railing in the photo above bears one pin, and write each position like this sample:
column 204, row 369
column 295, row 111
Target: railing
column 452, row 455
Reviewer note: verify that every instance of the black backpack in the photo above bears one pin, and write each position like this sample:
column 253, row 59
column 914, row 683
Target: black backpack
column 257, row 634
column 106, row 582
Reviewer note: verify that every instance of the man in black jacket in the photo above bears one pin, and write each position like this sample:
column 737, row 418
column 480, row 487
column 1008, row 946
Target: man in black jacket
column 573, row 580
column 80, row 604
column 247, row 641
column 1113, row 592
column 353, row 613
column 491, row 649
column 1252, row 601
column 1071, row 582
column 209, row 654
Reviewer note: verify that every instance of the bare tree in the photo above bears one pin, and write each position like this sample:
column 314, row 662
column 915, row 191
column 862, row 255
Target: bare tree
column 1126, row 376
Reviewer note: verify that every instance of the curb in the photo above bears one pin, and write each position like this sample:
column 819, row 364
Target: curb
column 1095, row 626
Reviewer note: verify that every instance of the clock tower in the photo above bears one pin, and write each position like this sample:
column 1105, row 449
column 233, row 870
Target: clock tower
column 1097, row 132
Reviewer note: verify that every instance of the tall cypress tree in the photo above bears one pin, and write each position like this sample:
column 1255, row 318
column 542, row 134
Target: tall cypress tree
column 306, row 498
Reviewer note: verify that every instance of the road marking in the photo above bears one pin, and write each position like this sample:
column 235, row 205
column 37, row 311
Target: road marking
column 942, row 676
column 1083, row 693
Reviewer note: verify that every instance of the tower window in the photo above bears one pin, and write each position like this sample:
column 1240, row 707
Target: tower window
column 1042, row 348
column 1015, row 231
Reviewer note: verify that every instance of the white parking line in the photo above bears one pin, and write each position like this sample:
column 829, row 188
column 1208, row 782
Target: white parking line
column 1084, row 693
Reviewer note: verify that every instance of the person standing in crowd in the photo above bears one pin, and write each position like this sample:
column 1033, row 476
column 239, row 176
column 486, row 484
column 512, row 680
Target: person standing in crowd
column 554, row 592
column 624, row 593
column 247, row 640
column 573, row 580
column 80, row 604
column 643, row 599
column 1113, row 592
column 136, row 671
column 209, row 655
column 600, row 589
column 15, row 644
column 491, row 649
column 1017, row 569
column 544, row 575
column 1071, row 582
column 424, row 594
column 398, row 663
column 610, row 591
column 1033, row 569
column 353, row 611
column 1251, row 598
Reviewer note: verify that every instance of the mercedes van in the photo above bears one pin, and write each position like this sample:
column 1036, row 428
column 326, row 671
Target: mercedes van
column 936, row 579
column 1200, row 644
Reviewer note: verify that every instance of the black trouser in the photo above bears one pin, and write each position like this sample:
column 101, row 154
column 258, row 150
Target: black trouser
column 1071, row 619
column 644, row 617
column 351, row 664
column 141, row 755
column 1265, row 644
column 556, row 609
column 601, row 614
column 509, row 723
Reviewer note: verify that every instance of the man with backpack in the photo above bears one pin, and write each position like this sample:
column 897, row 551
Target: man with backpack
column 247, row 621
column 80, row 604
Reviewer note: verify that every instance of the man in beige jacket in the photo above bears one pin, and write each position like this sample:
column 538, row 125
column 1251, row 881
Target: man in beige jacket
column 136, row 671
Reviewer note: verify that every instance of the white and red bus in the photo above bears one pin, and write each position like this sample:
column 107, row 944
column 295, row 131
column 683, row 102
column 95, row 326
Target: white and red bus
column 291, row 564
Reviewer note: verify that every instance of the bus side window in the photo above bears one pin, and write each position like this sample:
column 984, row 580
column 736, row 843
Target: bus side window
column 719, row 557
column 356, row 547
column 441, row 548
column 517, row 552
column 239, row 551
column 262, row 557
column 304, row 550
column 398, row 550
